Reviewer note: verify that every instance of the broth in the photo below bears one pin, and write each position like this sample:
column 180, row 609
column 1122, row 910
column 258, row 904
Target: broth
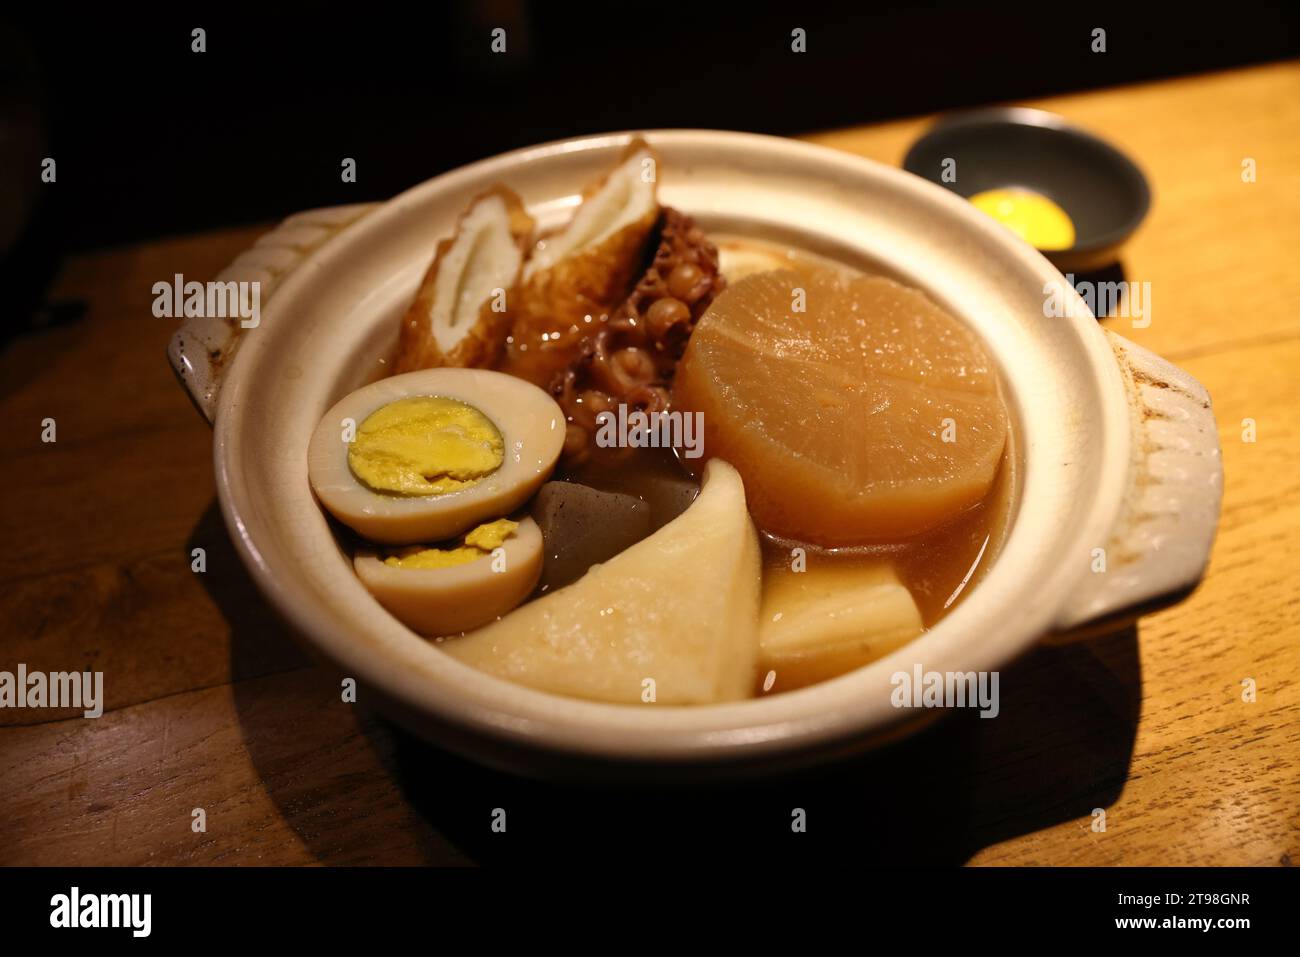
column 939, row 567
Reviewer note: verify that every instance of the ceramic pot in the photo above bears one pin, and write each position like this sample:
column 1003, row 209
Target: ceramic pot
column 1116, row 448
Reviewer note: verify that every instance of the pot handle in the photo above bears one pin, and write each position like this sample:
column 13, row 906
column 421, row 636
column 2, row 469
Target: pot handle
column 1160, row 544
column 201, row 349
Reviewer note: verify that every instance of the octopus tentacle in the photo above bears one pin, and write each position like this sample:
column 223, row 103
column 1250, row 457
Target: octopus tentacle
column 631, row 358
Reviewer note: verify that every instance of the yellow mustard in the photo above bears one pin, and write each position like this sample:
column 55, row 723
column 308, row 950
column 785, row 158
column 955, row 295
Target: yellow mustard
column 425, row 445
column 476, row 544
column 1032, row 216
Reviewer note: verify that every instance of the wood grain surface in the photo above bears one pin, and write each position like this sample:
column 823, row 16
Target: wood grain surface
column 210, row 703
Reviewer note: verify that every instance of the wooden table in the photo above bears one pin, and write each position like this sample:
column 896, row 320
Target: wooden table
column 211, row 705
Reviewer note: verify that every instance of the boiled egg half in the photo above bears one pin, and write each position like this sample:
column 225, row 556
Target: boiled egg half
column 460, row 585
column 428, row 455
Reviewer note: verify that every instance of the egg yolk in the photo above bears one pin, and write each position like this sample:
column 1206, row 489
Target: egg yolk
column 476, row 544
column 1032, row 216
column 425, row 445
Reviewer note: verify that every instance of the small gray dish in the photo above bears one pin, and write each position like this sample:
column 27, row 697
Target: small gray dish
column 1101, row 189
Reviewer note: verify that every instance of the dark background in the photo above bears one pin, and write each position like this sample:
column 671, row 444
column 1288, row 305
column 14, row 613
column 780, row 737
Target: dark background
column 152, row 139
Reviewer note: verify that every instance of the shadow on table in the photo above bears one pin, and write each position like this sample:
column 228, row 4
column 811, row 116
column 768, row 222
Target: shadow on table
column 1093, row 284
column 1060, row 748
column 260, row 643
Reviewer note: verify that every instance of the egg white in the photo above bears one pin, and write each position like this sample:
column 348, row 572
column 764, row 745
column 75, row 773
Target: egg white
column 532, row 429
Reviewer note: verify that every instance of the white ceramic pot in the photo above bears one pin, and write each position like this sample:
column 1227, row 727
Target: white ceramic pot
column 1117, row 449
